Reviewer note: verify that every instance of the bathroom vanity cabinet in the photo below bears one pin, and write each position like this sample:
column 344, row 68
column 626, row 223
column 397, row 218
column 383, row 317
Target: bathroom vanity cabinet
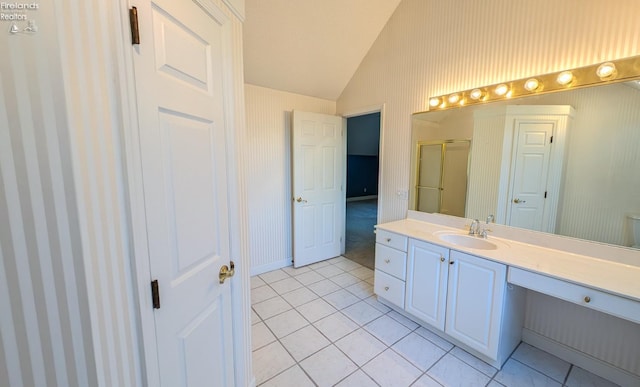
column 472, row 291
column 460, row 295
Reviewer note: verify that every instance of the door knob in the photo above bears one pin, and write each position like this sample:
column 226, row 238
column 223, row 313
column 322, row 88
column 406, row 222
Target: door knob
column 300, row 200
column 226, row 272
column 519, row 201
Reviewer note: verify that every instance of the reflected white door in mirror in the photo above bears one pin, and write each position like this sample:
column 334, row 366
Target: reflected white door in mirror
column 476, row 297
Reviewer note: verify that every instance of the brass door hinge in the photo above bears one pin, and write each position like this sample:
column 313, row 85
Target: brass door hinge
column 133, row 21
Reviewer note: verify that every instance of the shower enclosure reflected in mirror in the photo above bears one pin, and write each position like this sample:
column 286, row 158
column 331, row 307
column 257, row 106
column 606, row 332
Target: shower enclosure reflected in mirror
column 441, row 176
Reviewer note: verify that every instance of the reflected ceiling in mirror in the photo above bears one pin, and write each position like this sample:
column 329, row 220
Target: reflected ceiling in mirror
column 599, row 193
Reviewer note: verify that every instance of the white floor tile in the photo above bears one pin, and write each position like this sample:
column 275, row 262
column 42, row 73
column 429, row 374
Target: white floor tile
column 370, row 281
column 514, row 373
column 345, row 280
column 309, row 277
column 373, row 301
column 360, row 346
column 362, row 272
column 304, row 342
column 357, row 379
column 426, row 381
column 451, row 371
column 328, row 366
column 269, row 361
column 286, row 323
column 324, row 287
column 286, row 285
column 261, row 336
column 348, row 265
column 432, row 337
column 317, row 265
column 271, row 307
column 542, row 361
column 387, row 330
column 274, row 276
column 390, row 369
column 299, row 296
column 419, row 351
column 337, row 260
column 292, row 271
column 474, row 362
column 329, row 271
column 341, row 299
column 316, row 309
column 403, row 320
column 261, row 294
column 335, row 326
column 254, row 317
column 256, row 282
column 361, row 312
column 293, row 377
column 581, row 378
column 361, row 289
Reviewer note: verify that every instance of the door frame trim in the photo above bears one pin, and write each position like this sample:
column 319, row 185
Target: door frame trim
column 360, row 112
column 134, row 196
column 562, row 115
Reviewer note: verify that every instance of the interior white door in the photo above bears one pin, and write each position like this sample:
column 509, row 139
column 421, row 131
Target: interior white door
column 530, row 174
column 318, row 186
column 179, row 69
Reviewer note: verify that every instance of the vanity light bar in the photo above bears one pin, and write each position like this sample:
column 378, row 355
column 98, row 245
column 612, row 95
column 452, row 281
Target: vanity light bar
column 614, row 71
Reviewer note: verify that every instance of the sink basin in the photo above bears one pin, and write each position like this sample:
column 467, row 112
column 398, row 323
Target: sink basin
column 469, row 241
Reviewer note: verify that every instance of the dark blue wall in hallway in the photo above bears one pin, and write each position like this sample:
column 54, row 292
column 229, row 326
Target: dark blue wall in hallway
column 363, row 143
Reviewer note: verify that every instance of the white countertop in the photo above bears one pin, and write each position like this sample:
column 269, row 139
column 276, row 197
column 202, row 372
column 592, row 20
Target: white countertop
column 606, row 275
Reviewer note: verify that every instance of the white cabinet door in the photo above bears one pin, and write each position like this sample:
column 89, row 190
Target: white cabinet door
column 474, row 302
column 426, row 288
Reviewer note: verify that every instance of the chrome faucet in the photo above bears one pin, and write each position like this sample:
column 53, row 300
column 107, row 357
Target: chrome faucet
column 490, row 219
column 474, row 228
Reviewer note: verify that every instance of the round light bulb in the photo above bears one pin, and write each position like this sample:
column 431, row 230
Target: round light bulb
column 565, row 78
column 606, row 71
column 532, row 84
column 435, row 101
column 476, row 94
column 453, row 98
column 501, row 89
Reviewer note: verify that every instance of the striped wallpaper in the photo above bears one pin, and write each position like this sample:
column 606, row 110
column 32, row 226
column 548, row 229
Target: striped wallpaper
column 266, row 155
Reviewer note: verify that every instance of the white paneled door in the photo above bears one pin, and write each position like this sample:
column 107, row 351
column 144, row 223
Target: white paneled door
column 318, row 153
column 179, row 71
column 531, row 170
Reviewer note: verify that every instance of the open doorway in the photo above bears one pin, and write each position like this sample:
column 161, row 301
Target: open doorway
column 363, row 145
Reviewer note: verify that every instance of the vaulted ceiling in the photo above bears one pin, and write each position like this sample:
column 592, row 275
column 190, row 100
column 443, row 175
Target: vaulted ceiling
column 310, row 47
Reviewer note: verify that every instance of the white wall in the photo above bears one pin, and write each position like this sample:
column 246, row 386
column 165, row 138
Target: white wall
column 432, row 47
column 267, row 160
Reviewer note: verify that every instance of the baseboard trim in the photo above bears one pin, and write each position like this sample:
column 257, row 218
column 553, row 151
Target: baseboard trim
column 359, row 198
column 581, row 359
column 255, row 270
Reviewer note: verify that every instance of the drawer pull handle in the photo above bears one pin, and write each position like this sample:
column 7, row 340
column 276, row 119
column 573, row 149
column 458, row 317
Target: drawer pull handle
column 587, row 299
column 387, row 260
column 388, row 240
column 386, row 288
column 441, row 259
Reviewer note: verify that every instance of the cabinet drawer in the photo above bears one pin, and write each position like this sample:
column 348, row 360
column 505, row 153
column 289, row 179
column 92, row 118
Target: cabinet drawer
column 388, row 287
column 397, row 241
column 578, row 294
column 391, row 261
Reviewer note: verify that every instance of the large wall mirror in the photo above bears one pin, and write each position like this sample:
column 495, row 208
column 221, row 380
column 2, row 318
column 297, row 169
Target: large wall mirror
column 596, row 183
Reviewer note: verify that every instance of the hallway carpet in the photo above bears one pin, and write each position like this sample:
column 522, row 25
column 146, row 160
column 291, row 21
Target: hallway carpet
column 360, row 240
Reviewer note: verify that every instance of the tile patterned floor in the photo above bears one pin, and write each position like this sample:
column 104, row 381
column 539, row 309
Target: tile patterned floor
column 321, row 325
